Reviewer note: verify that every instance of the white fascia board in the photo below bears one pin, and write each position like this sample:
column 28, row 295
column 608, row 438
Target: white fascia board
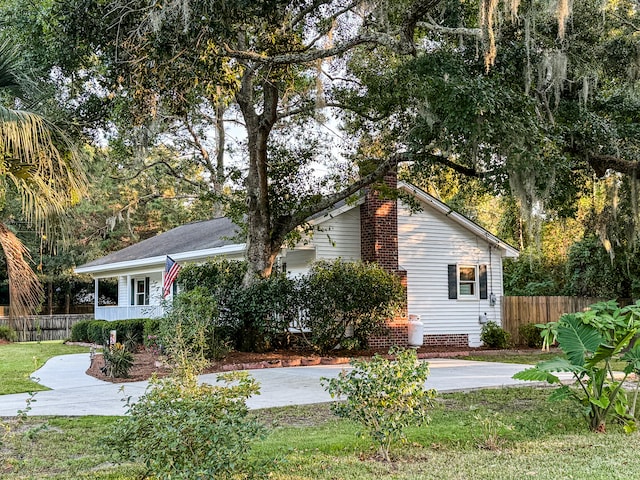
column 470, row 225
column 335, row 212
column 152, row 263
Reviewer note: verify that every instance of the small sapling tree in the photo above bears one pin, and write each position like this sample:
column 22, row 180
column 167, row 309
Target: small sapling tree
column 385, row 396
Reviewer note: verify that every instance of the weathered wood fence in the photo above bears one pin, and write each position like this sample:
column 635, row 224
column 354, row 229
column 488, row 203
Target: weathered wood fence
column 518, row 311
column 44, row 327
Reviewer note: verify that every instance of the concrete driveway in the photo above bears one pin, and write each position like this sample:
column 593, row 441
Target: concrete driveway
column 75, row 394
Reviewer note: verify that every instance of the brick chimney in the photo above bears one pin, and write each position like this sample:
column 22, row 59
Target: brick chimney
column 379, row 243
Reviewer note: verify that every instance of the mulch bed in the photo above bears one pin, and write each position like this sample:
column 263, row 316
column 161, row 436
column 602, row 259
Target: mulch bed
column 147, row 363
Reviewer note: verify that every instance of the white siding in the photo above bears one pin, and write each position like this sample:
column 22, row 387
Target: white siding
column 123, row 291
column 339, row 237
column 428, row 243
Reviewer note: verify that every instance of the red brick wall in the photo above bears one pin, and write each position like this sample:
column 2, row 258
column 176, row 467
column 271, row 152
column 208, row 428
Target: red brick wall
column 447, row 340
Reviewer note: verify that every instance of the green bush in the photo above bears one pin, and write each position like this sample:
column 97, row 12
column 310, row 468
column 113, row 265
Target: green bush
column 8, row 334
column 128, row 332
column 251, row 318
column 97, row 332
column 151, row 335
column 494, row 336
column 79, row 331
column 348, row 302
column 188, row 329
column 182, row 430
column 258, row 316
column 385, row 396
column 531, row 335
column 117, row 361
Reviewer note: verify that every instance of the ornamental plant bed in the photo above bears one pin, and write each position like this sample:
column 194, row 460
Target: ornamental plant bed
column 147, row 363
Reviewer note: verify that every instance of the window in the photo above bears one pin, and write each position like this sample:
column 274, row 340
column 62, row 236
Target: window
column 468, row 282
column 140, row 291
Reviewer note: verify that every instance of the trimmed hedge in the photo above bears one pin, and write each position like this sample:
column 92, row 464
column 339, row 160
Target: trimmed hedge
column 130, row 331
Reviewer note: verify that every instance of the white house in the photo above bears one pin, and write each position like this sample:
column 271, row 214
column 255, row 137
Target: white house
column 452, row 267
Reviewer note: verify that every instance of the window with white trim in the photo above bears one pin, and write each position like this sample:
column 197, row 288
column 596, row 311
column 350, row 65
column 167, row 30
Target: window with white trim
column 140, row 291
column 467, row 281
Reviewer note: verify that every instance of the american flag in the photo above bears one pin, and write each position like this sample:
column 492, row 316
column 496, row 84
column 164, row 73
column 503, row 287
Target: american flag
column 171, row 270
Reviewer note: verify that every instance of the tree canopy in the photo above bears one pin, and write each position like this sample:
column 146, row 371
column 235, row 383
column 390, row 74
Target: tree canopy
column 532, row 96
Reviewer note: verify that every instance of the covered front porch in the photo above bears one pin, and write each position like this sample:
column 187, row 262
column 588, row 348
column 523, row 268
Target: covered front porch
column 138, row 295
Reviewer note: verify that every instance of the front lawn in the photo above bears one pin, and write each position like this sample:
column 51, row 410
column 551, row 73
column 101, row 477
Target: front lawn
column 19, row 360
column 492, row 434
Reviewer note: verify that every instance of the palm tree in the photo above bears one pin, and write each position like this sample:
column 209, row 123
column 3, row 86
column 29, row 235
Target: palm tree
column 37, row 160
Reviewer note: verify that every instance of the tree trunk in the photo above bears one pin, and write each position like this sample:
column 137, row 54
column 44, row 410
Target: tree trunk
column 262, row 245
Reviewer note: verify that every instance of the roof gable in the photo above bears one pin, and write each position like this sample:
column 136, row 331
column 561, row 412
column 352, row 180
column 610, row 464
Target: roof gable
column 458, row 218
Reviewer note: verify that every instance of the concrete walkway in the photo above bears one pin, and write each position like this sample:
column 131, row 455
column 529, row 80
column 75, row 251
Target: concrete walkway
column 75, row 394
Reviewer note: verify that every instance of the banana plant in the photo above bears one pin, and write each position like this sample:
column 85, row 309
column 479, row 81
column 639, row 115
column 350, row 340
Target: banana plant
column 591, row 340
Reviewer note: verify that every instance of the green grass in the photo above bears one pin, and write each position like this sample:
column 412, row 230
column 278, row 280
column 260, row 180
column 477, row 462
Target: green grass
column 19, row 360
column 492, row 434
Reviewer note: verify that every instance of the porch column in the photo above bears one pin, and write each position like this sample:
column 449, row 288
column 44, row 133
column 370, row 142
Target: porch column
column 96, row 295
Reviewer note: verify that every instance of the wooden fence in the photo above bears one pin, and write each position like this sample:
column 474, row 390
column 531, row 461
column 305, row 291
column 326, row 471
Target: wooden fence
column 57, row 310
column 44, row 327
column 518, row 311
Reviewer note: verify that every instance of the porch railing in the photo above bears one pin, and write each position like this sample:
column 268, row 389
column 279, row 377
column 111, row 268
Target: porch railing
column 129, row 311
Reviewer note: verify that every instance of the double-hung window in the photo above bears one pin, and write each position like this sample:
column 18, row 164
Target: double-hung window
column 140, row 291
column 468, row 282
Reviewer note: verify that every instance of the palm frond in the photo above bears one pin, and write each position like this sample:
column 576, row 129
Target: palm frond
column 25, row 290
column 34, row 154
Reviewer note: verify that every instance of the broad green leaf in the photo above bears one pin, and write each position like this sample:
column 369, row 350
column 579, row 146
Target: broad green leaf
column 577, row 339
column 632, row 357
column 535, row 375
column 603, row 352
column 602, row 402
column 559, row 364
column 560, row 393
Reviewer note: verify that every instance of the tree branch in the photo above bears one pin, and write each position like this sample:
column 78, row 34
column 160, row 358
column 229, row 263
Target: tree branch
column 155, row 164
column 602, row 163
column 434, row 27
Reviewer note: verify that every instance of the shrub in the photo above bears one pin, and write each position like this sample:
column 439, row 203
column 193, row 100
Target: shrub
column 254, row 317
column 117, row 361
column 258, row 316
column 182, row 430
column 188, row 329
column 348, row 301
column 97, row 332
column 531, row 335
column 385, row 396
column 128, row 332
column 151, row 332
column 494, row 336
column 8, row 334
column 79, row 331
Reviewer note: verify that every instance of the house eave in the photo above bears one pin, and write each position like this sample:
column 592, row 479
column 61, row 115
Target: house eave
column 158, row 262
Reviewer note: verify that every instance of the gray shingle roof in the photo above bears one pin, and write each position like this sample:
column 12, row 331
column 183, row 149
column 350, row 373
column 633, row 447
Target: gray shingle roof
column 185, row 238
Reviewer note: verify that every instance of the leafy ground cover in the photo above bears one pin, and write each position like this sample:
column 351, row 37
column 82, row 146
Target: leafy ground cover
column 19, row 360
column 491, row 434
